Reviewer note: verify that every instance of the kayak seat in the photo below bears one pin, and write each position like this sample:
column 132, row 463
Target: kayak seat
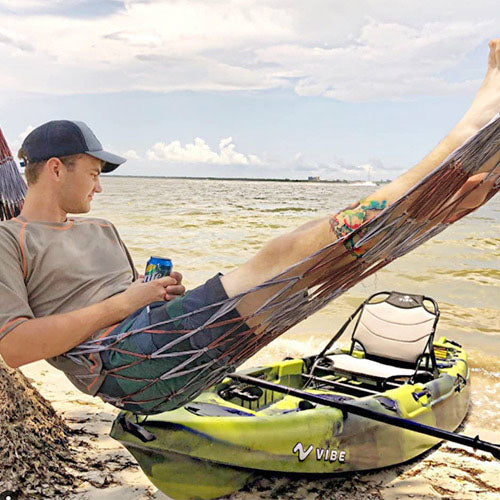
column 395, row 331
column 368, row 367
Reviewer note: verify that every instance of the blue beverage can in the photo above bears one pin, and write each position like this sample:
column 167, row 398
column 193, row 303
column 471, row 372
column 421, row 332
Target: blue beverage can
column 157, row 267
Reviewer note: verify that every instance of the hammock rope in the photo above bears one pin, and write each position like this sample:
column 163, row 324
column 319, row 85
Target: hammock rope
column 12, row 185
column 420, row 214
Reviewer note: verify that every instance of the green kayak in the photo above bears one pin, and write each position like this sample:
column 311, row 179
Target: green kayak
column 219, row 441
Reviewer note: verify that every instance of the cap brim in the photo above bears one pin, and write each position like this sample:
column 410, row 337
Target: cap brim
column 112, row 161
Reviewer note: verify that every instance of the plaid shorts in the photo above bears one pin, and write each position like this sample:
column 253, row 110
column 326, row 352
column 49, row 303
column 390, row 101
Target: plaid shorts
column 135, row 381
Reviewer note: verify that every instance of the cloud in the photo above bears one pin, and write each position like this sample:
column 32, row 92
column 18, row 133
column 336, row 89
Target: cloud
column 131, row 154
column 62, row 8
column 16, row 143
column 375, row 169
column 137, row 39
column 18, row 44
column 335, row 168
column 199, row 151
column 369, row 67
column 355, row 51
column 372, row 169
column 367, row 167
column 25, row 132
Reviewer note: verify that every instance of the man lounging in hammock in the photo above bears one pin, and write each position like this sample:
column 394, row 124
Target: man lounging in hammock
column 71, row 295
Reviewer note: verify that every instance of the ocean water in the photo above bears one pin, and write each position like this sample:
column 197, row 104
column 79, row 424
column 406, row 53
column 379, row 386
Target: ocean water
column 206, row 226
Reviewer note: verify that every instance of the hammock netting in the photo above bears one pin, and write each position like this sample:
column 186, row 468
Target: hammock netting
column 12, row 185
column 304, row 288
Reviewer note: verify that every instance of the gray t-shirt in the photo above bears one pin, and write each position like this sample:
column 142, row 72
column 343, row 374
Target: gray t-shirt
column 51, row 268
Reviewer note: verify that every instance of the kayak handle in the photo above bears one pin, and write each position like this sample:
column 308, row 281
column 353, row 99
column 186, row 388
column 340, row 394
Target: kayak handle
column 135, row 429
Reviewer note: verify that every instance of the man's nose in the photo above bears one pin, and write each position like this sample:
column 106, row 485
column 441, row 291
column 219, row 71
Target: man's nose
column 98, row 188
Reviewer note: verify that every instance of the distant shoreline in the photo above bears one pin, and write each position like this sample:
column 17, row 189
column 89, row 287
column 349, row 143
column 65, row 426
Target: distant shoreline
column 248, row 179
column 245, row 179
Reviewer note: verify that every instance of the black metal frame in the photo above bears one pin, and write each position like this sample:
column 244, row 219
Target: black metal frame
column 429, row 356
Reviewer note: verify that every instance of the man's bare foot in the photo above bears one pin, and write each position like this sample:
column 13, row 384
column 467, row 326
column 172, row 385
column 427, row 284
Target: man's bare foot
column 486, row 103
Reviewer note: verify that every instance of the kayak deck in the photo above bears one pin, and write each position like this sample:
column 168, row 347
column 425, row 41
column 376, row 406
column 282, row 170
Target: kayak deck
column 214, row 444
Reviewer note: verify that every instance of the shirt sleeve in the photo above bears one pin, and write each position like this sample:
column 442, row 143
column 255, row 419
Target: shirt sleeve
column 14, row 304
column 129, row 257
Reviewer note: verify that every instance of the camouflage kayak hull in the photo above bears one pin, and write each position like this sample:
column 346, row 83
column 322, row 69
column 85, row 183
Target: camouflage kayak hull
column 212, row 446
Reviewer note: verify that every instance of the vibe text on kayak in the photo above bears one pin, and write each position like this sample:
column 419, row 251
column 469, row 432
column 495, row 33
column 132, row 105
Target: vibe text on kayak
column 325, row 454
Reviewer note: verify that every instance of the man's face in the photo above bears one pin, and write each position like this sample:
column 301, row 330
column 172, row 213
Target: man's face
column 79, row 185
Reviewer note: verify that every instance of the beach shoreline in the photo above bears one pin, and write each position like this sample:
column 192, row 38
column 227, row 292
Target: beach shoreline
column 448, row 471
column 458, row 268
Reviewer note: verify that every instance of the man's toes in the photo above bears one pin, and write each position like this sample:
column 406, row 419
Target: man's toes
column 494, row 58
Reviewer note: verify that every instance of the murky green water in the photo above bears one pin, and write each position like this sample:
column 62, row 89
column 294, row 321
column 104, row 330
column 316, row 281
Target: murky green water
column 210, row 226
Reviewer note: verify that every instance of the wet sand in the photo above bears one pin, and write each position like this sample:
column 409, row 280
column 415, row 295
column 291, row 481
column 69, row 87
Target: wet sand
column 449, row 471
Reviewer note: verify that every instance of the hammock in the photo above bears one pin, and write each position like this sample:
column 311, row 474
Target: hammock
column 12, row 185
column 412, row 220
column 417, row 216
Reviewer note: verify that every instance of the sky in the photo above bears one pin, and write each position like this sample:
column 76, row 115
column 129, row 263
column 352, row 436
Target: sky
column 357, row 89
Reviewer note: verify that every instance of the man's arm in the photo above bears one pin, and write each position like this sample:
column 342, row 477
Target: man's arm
column 50, row 336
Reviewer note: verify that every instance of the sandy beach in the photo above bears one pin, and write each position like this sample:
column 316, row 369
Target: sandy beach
column 458, row 268
column 450, row 471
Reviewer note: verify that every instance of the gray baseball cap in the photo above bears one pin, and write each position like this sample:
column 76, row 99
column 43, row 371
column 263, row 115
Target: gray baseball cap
column 63, row 138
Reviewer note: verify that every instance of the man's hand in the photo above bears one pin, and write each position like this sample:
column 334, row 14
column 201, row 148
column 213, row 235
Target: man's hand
column 139, row 294
column 175, row 289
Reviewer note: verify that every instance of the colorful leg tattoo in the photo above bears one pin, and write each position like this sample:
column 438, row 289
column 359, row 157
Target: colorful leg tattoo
column 351, row 218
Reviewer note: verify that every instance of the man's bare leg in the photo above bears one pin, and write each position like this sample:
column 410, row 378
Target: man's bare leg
column 289, row 249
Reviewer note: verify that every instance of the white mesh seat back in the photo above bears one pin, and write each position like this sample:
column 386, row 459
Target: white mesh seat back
column 394, row 333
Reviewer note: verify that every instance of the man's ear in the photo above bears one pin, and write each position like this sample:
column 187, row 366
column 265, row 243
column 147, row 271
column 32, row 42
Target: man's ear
column 54, row 168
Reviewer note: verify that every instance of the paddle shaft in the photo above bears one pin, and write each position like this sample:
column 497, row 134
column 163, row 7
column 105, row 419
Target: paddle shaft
column 475, row 443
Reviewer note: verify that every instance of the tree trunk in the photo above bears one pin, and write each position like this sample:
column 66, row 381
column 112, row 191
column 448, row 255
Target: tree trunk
column 35, row 451
column 34, row 446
